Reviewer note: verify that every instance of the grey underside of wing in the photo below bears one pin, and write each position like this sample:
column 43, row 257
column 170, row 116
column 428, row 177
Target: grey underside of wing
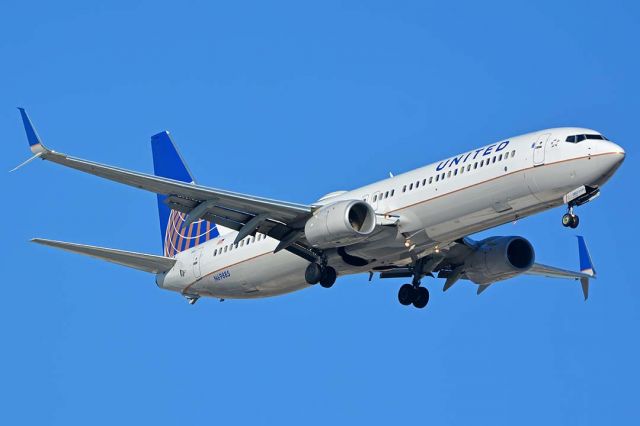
column 553, row 272
column 144, row 262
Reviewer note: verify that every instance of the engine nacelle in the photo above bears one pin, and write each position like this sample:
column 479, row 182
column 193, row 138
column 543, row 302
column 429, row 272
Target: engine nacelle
column 499, row 258
column 340, row 224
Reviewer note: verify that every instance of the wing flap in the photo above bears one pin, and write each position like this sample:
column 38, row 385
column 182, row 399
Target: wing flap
column 141, row 261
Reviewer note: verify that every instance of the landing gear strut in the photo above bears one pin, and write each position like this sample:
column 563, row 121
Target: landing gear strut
column 320, row 273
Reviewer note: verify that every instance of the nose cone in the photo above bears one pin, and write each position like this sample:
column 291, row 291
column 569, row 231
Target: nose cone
column 614, row 148
column 608, row 158
column 617, row 152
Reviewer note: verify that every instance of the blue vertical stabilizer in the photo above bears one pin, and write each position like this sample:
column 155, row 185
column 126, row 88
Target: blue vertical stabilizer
column 177, row 235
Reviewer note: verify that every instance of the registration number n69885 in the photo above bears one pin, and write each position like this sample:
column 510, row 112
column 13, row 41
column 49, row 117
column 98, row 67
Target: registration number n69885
column 221, row 275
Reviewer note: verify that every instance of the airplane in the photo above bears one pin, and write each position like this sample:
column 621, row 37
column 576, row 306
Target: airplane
column 227, row 245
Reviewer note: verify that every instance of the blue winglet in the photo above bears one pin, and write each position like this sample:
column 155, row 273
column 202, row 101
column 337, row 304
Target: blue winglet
column 35, row 143
column 586, row 265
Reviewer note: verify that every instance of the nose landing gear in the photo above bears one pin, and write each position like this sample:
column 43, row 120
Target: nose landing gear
column 570, row 220
column 577, row 197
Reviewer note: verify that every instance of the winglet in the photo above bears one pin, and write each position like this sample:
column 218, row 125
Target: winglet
column 586, row 266
column 35, row 143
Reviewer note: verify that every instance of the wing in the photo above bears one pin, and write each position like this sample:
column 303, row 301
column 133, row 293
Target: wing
column 587, row 270
column 247, row 214
column 450, row 264
column 553, row 272
column 143, row 262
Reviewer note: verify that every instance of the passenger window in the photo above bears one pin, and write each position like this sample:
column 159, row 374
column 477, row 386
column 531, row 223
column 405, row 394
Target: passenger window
column 393, row 191
column 430, row 180
column 500, row 157
column 475, row 165
column 461, row 169
column 437, row 178
column 404, row 188
column 506, row 155
column 410, row 187
column 469, row 167
column 442, row 176
column 482, row 163
column 225, row 248
column 513, row 153
column 424, row 181
column 375, row 198
column 455, row 172
column 386, row 194
column 449, row 174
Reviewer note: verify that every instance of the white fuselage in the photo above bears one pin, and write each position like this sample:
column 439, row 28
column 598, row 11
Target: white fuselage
column 481, row 189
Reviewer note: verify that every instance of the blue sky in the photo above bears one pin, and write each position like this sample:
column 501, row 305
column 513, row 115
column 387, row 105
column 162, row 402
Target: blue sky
column 291, row 101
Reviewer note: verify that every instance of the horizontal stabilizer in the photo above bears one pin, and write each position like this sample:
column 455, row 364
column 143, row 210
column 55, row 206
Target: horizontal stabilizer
column 143, row 262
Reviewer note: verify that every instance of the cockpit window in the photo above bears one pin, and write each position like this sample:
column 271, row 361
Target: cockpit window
column 580, row 138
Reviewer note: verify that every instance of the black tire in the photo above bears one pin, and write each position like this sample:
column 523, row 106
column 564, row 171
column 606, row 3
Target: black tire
column 328, row 277
column 406, row 294
column 422, row 297
column 575, row 221
column 313, row 273
column 567, row 220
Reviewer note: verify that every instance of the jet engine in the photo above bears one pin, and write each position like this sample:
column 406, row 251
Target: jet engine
column 340, row 224
column 499, row 258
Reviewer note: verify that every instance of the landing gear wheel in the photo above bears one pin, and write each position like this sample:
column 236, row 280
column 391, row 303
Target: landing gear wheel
column 421, row 297
column 313, row 273
column 570, row 220
column 328, row 277
column 575, row 222
column 406, row 294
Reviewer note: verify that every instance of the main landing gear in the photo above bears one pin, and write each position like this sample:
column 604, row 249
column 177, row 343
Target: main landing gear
column 414, row 294
column 410, row 294
column 320, row 273
column 570, row 220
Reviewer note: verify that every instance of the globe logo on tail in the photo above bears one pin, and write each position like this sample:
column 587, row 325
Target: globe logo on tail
column 180, row 237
